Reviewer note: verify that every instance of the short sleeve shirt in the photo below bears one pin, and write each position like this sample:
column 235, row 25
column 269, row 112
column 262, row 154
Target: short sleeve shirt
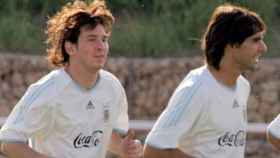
column 60, row 119
column 204, row 118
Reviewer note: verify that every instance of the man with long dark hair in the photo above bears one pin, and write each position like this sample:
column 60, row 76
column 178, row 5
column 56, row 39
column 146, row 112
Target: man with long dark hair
column 206, row 116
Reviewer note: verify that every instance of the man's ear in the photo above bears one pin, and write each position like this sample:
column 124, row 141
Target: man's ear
column 69, row 48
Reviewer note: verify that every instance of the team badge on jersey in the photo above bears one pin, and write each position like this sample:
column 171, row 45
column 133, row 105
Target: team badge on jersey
column 106, row 113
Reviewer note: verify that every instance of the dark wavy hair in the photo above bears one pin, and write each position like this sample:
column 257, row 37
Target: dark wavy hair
column 229, row 24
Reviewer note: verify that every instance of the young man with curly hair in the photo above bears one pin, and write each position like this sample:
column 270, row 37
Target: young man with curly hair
column 78, row 110
column 207, row 115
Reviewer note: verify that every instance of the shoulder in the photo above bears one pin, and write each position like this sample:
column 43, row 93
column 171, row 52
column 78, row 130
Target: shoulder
column 242, row 81
column 110, row 79
column 51, row 80
column 104, row 74
column 197, row 75
column 191, row 89
column 45, row 88
column 195, row 79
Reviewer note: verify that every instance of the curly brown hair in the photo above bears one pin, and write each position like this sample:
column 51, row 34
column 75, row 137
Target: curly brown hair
column 65, row 26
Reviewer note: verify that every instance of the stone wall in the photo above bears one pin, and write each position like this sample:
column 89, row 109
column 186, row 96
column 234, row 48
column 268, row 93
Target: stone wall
column 149, row 83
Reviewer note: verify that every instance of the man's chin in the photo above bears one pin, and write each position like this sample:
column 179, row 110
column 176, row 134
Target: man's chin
column 253, row 66
column 96, row 67
column 99, row 66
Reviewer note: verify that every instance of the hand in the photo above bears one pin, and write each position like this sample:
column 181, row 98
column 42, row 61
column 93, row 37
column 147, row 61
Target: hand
column 131, row 148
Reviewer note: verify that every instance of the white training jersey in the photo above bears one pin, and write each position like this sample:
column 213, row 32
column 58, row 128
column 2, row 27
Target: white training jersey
column 204, row 118
column 60, row 119
column 274, row 127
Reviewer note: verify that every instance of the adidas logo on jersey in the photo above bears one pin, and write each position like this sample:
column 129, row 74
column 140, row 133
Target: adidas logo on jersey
column 235, row 104
column 90, row 105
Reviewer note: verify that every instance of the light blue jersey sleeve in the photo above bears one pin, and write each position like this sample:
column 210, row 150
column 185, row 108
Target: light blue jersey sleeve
column 274, row 127
column 179, row 117
column 121, row 123
column 30, row 117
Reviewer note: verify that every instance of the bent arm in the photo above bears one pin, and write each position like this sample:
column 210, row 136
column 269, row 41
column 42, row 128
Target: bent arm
column 151, row 152
column 127, row 147
column 273, row 132
column 114, row 145
column 273, row 140
column 22, row 150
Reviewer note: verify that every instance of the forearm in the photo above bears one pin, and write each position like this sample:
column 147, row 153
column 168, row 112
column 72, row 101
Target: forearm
column 151, row 152
column 16, row 150
column 114, row 145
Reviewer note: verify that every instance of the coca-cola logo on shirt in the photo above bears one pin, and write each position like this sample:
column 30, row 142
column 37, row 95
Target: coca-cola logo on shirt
column 88, row 141
column 232, row 139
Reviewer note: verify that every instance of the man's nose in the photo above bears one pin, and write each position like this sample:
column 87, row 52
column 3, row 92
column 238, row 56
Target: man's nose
column 263, row 47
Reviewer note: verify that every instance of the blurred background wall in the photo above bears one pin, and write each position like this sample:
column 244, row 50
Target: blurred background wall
column 149, row 84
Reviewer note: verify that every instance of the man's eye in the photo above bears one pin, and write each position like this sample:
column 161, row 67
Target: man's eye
column 256, row 39
column 105, row 39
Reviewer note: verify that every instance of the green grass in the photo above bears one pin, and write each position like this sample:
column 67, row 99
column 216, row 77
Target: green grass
column 143, row 28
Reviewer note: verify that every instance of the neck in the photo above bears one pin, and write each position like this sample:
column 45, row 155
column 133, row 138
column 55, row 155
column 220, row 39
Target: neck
column 86, row 79
column 225, row 75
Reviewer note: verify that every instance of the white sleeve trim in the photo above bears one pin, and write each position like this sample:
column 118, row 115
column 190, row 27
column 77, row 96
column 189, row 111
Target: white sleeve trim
column 12, row 136
column 274, row 127
column 161, row 140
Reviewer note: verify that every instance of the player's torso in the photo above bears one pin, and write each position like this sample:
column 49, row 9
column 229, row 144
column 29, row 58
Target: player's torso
column 227, row 118
column 82, row 122
column 84, row 116
column 220, row 130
